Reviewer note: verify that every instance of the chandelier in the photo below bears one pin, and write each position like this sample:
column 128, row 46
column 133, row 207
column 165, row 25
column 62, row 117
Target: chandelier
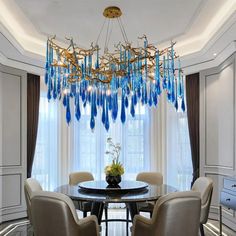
column 114, row 82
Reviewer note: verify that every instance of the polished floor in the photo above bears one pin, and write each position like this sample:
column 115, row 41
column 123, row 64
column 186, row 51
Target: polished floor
column 21, row 228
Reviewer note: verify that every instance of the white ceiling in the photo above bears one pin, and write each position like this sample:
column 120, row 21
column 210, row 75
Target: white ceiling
column 194, row 24
column 160, row 20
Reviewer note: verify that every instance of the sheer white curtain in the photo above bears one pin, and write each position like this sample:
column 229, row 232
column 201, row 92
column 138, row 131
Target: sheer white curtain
column 89, row 147
column 178, row 153
column 46, row 159
column 61, row 149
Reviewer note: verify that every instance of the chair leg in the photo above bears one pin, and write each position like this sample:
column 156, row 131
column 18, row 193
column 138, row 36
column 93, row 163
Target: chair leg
column 150, row 214
column 127, row 221
column 202, row 230
column 84, row 214
column 106, row 216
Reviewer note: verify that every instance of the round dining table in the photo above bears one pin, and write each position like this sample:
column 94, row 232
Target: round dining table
column 128, row 192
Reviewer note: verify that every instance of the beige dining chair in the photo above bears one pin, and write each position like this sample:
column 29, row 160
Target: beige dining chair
column 204, row 185
column 153, row 178
column 76, row 178
column 175, row 214
column 54, row 214
column 30, row 186
column 80, row 176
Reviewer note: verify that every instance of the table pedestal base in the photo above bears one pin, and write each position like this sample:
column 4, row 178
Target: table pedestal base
column 97, row 210
column 133, row 209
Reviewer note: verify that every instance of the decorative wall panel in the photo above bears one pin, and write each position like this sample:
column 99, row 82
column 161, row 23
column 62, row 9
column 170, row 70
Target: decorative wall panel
column 217, row 130
column 11, row 119
column 11, row 196
column 13, row 141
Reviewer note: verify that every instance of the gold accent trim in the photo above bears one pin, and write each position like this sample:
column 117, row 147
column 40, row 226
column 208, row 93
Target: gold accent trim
column 112, row 12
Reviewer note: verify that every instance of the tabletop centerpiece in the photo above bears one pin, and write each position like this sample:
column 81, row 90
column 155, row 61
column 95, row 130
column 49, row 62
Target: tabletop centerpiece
column 115, row 169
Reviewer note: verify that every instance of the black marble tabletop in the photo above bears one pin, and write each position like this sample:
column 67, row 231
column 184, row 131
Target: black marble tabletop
column 133, row 191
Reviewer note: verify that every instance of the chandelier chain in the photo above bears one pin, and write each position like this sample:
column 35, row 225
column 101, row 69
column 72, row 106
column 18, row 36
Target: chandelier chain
column 122, row 31
column 105, row 46
column 109, row 36
column 100, row 32
column 122, row 26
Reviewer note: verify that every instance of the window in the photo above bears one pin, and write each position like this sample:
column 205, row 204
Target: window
column 90, row 146
column 79, row 148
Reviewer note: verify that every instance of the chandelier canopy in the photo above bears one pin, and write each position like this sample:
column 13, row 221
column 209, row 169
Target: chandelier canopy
column 134, row 74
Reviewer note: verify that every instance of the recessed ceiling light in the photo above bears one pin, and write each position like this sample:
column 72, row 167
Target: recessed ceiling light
column 214, row 54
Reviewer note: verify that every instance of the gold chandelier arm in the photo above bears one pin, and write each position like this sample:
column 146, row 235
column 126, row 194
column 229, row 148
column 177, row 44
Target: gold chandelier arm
column 73, row 54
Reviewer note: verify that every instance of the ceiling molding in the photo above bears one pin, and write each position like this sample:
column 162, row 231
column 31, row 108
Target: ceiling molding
column 37, row 44
column 212, row 62
column 226, row 35
column 196, row 43
column 33, row 47
column 35, row 69
column 16, row 29
column 187, row 28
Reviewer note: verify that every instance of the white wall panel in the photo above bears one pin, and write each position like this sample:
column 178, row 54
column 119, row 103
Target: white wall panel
column 11, row 119
column 11, row 196
column 225, row 100
column 211, row 119
column 219, row 119
column 13, row 142
column 217, row 130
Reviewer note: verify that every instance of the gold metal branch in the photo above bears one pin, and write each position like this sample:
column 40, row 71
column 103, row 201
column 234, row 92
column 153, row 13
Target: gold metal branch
column 74, row 56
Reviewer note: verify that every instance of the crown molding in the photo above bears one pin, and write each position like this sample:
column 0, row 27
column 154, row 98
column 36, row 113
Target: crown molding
column 194, row 60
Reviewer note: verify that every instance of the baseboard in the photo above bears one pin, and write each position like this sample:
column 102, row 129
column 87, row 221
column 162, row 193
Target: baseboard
column 14, row 216
column 229, row 223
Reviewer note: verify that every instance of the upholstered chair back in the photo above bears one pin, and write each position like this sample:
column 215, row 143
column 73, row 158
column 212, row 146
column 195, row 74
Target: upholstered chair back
column 176, row 214
column 54, row 214
column 204, row 185
column 153, row 178
column 78, row 177
column 30, row 186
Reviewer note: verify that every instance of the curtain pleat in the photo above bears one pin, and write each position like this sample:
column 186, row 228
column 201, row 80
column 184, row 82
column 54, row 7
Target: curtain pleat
column 33, row 94
column 192, row 99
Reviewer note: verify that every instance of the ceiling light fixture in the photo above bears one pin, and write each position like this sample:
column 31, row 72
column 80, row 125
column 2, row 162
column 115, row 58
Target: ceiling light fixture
column 136, row 74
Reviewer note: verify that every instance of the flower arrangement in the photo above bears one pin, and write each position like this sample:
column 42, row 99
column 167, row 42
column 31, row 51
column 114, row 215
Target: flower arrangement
column 115, row 168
